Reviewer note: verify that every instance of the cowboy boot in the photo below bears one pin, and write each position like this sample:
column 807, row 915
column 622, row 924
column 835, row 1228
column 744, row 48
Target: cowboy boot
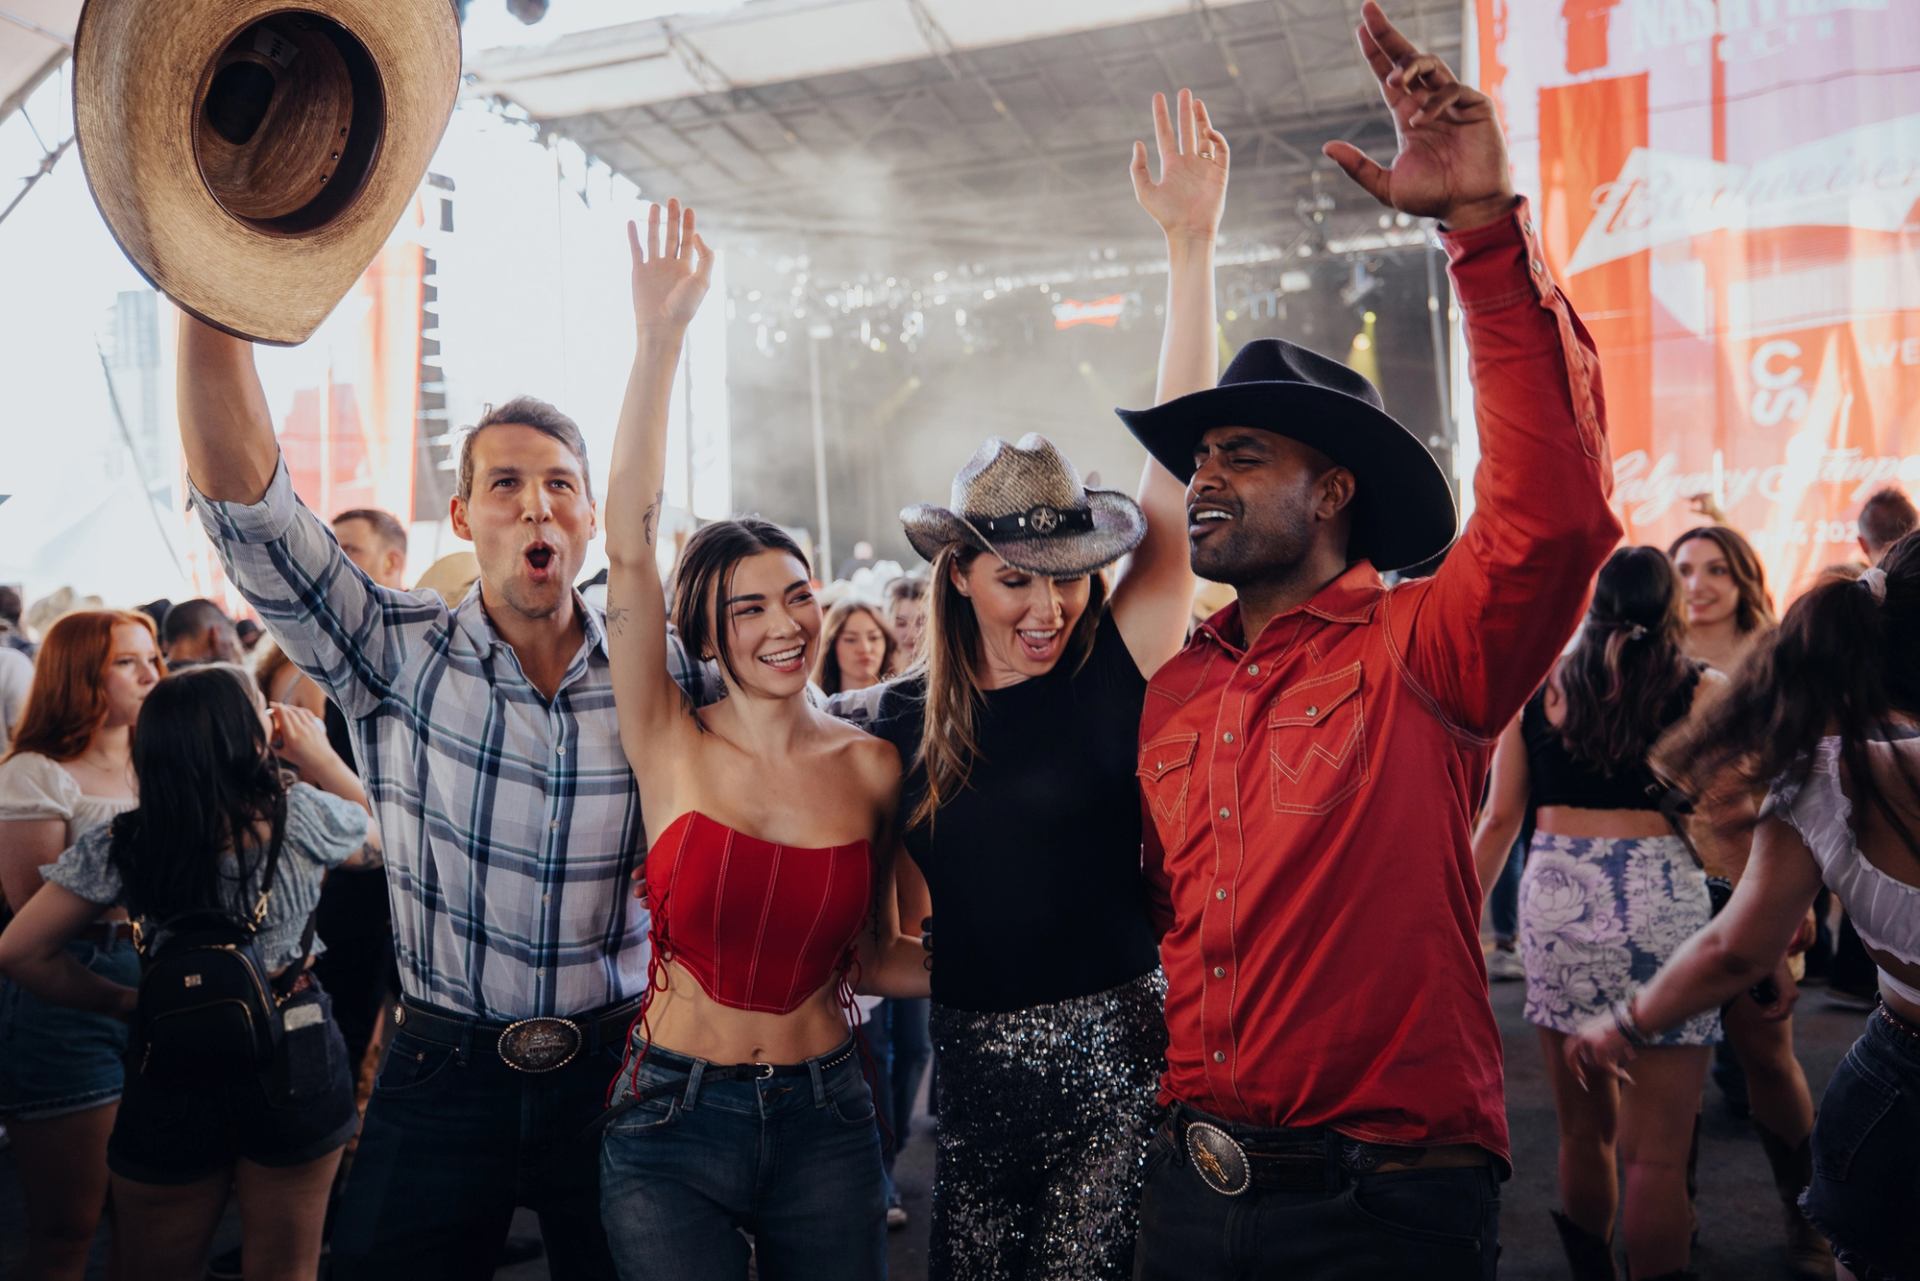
column 1808, row 1254
column 1589, row 1257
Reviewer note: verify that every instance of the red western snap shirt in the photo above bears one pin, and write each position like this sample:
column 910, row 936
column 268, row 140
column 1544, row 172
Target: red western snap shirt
column 1309, row 793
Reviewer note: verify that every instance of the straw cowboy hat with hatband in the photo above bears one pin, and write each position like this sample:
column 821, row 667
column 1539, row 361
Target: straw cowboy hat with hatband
column 1025, row 503
column 1403, row 510
column 252, row 158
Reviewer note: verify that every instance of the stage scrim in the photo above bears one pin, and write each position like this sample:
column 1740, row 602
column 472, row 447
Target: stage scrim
column 1728, row 193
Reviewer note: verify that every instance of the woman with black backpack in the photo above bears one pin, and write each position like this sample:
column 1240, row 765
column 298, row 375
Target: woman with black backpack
column 237, row 1079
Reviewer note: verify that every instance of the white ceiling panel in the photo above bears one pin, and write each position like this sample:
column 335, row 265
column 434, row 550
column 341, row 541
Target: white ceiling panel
column 35, row 36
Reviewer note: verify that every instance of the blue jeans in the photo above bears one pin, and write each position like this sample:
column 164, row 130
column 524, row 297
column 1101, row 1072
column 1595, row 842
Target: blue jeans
column 1503, row 904
column 1866, row 1183
column 876, row 1033
column 792, row 1158
column 912, row 1052
column 1441, row 1224
column 54, row 1059
column 454, row 1140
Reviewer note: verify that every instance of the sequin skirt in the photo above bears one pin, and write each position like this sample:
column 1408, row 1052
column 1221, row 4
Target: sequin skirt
column 1598, row 918
column 1045, row 1116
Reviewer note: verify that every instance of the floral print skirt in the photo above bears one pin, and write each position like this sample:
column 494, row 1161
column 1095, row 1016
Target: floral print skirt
column 1598, row 918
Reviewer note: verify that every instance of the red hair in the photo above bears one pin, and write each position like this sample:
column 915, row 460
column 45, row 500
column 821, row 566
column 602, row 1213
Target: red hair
column 68, row 699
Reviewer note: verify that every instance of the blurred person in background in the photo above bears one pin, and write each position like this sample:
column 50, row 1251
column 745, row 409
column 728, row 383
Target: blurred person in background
column 199, row 631
column 376, row 542
column 218, row 828
column 1022, row 806
column 281, row 682
column 856, row 649
column 16, row 679
column 69, row 771
column 1826, row 716
column 1728, row 611
column 1609, row 892
column 1886, row 517
column 907, row 618
column 1726, row 604
column 250, row 634
column 11, row 634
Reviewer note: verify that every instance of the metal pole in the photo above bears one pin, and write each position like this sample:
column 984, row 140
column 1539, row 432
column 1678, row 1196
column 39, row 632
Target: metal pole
column 823, row 558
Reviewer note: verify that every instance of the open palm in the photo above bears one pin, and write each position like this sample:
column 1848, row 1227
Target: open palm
column 1452, row 159
column 671, row 271
column 1192, row 190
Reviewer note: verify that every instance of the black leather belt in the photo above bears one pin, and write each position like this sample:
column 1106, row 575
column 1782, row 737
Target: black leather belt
column 1233, row 1159
column 532, row 1045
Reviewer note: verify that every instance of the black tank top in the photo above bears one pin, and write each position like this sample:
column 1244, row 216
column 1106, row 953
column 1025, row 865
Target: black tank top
column 1554, row 777
column 1034, row 867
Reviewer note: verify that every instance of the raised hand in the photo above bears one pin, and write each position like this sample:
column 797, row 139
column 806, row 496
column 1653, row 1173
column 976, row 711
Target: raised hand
column 1192, row 191
column 1452, row 159
column 671, row 272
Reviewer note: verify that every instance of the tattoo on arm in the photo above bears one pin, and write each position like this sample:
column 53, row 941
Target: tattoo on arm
column 617, row 616
column 652, row 515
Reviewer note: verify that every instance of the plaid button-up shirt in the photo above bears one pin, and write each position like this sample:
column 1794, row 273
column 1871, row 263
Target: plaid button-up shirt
column 510, row 824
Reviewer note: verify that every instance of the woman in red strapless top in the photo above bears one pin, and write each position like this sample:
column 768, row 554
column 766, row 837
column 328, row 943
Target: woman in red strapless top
column 770, row 875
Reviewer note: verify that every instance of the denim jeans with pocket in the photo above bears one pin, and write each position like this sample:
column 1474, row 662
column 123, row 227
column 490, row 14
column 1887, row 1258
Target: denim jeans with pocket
column 793, row 1159
column 1865, row 1194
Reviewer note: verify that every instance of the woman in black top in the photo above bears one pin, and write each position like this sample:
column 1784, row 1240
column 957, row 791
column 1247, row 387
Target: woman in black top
column 1020, row 731
column 1610, row 891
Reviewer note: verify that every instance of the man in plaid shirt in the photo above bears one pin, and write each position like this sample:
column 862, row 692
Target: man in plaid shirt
column 487, row 737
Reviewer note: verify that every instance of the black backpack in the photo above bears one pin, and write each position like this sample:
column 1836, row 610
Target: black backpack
column 207, row 1009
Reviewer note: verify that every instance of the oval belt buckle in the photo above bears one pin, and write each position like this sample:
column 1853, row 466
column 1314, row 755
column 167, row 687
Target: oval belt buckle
column 539, row 1045
column 1218, row 1159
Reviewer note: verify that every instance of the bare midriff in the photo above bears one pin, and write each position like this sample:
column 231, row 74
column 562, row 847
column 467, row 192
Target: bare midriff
column 1611, row 825
column 685, row 1020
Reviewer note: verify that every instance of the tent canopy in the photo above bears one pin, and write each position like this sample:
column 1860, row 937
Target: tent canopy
column 35, row 38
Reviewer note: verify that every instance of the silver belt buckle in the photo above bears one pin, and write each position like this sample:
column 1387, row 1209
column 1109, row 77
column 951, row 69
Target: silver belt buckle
column 1218, row 1159
column 539, row 1045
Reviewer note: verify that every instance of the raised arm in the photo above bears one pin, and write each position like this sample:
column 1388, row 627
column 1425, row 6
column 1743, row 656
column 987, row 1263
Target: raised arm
column 327, row 616
column 225, row 429
column 1154, row 597
column 1484, row 633
column 670, row 277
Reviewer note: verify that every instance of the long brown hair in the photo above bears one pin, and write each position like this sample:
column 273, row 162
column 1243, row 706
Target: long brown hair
column 826, row 668
column 1754, row 612
column 1626, row 668
column 949, row 734
column 1841, row 663
column 67, row 701
column 703, row 580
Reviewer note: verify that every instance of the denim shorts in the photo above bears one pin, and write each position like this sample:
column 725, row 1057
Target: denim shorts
column 792, row 1158
column 1866, row 1182
column 55, row 1059
column 300, row 1108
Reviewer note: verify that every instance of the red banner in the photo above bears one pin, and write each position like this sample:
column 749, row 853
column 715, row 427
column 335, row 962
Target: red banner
column 1728, row 193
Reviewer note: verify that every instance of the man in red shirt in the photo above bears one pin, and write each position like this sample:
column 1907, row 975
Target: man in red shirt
column 1311, row 762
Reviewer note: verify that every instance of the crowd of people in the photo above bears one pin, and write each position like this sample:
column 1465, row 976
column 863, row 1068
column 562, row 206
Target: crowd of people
column 423, row 905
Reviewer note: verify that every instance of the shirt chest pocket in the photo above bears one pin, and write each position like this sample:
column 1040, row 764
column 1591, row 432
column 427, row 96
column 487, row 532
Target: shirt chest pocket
column 1166, row 772
column 1317, row 742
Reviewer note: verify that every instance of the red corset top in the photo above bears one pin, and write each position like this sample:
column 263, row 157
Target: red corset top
column 760, row 926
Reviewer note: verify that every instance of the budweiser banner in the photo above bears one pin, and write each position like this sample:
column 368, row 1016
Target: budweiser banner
column 1728, row 192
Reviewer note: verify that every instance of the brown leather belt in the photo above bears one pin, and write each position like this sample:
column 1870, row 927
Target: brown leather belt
column 1233, row 1159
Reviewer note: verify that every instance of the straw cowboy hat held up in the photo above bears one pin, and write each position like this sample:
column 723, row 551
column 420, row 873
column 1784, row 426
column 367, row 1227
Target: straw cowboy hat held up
column 251, row 157
column 1025, row 503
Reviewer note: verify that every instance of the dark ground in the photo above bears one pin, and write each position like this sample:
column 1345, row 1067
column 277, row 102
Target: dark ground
column 1739, row 1216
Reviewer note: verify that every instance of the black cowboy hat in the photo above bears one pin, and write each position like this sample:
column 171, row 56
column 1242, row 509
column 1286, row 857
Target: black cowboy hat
column 1403, row 510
